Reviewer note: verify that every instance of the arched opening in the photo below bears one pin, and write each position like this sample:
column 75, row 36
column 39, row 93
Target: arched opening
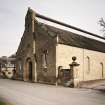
column 102, row 69
column 88, row 64
column 29, row 69
column 20, row 69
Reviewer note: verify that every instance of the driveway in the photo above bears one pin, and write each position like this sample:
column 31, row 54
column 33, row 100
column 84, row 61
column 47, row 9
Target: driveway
column 23, row 93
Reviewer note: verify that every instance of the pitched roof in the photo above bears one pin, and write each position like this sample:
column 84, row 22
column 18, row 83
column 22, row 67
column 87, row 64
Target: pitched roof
column 72, row 39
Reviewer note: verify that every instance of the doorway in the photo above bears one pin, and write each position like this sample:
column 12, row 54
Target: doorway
column 30, row 70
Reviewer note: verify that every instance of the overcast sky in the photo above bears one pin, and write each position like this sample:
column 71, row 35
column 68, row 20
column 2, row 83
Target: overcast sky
column 80, row 13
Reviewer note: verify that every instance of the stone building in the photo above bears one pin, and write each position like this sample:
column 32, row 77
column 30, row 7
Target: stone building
column 45, row 54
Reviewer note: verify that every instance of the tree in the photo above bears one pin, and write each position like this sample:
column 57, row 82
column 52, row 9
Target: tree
column 102, row 24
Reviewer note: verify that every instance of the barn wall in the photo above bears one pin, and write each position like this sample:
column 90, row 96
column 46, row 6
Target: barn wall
column 64, row 54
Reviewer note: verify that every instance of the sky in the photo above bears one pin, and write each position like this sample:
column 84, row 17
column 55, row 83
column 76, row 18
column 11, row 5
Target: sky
column 83, row 14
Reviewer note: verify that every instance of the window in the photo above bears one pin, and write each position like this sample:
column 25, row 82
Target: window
column 20, row 65
column 102, row 69
column 9, row 72
column 44, row 59
column 88, row 65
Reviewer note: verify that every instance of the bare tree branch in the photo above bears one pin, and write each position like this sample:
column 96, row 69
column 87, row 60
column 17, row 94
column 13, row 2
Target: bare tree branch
column 102, row 24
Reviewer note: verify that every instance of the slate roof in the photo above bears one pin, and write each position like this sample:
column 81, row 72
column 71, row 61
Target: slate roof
column 72, row 39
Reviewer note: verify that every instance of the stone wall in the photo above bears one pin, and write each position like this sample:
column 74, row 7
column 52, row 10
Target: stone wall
column 97, row 65
column 26, row 49
column 45, row 43
column 88, row 70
